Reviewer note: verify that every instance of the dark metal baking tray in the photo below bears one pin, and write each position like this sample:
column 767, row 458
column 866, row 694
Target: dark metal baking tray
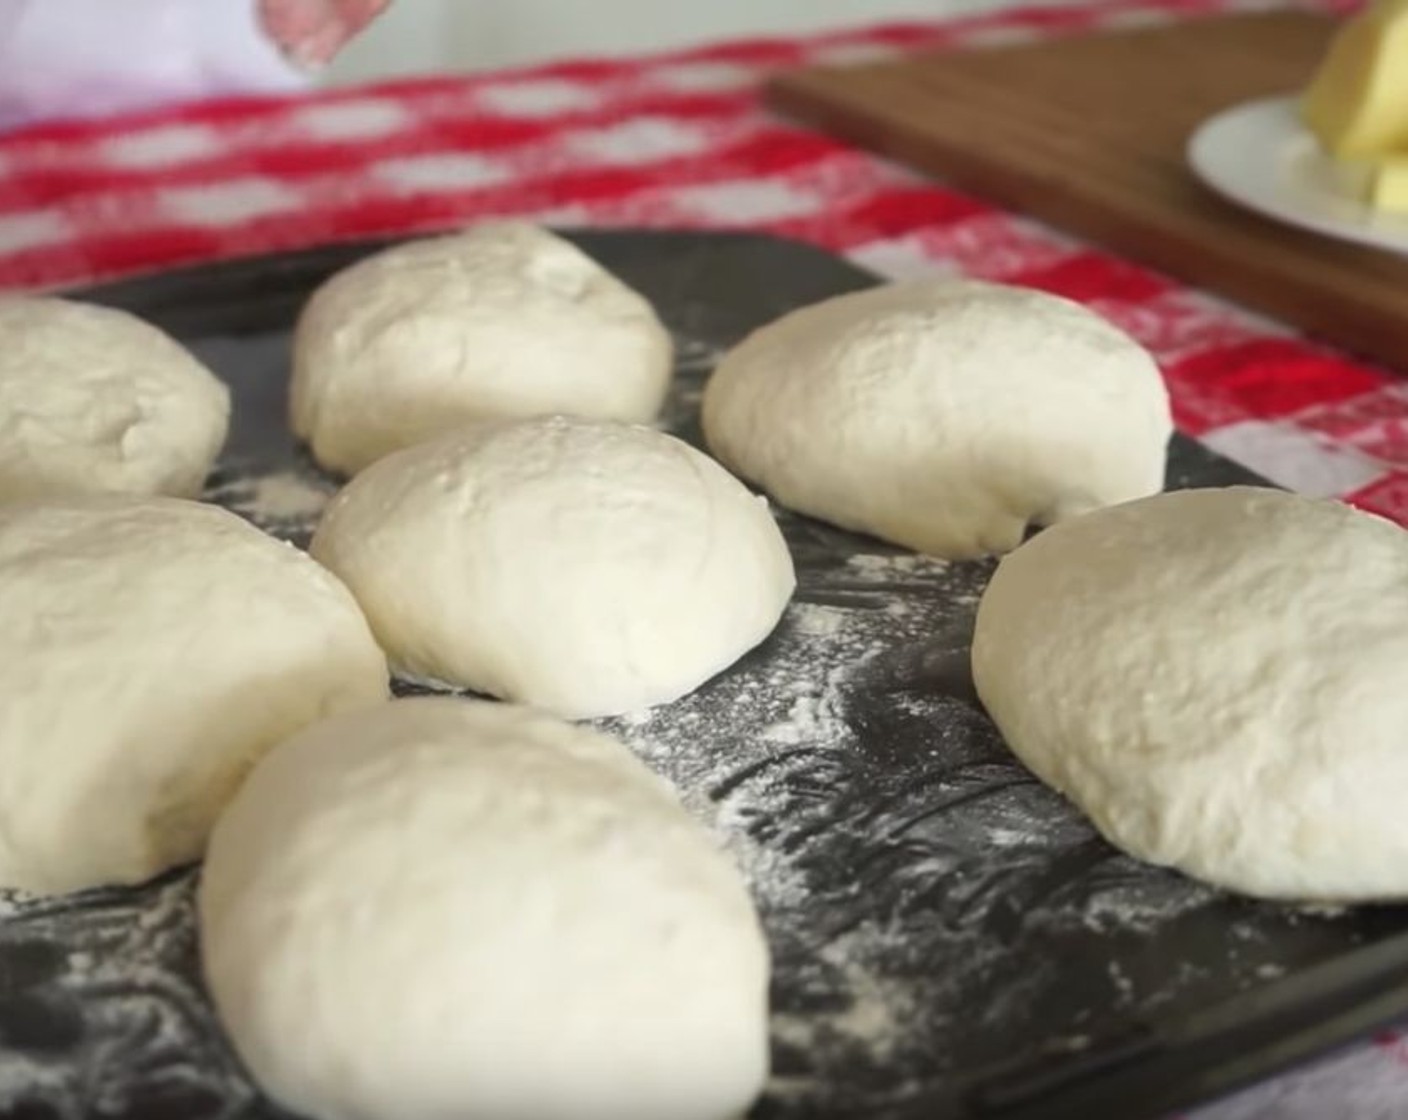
column 951, row 938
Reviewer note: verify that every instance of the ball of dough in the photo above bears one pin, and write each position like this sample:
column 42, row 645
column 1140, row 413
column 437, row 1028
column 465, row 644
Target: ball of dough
column 583, row 567
column 942, row 415
column 153, row 649
column 471, row 911
column 95, row 401
column 1219, row 678
column 506, row 320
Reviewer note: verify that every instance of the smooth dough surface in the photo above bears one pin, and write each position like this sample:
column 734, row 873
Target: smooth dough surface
column 153, row 649
column 449, row 909
column 95, row 401
column 942, row 415
column 1219, row 678
column 587, row 568
column 505, row 320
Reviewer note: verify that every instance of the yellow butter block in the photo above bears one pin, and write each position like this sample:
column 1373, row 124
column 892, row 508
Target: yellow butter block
column 1388, row 186
column 1357, row 104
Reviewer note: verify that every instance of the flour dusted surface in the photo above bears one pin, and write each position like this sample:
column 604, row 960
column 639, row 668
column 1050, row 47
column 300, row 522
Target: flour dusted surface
column 289, row 499
column 105, row 1016
column 822, row 760
column 933, row 910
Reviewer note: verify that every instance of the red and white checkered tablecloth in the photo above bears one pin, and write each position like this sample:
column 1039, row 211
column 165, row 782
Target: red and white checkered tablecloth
column 681, row 140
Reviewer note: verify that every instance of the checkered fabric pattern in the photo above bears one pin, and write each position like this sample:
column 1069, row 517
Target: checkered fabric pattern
column 674, row 140
column 681, row 140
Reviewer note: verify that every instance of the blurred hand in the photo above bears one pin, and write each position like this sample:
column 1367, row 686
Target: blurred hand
column 311, row 32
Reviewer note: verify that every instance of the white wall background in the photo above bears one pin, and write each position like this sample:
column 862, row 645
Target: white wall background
column 420, row 35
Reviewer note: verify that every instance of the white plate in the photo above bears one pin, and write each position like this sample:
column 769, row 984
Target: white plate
column 1261, row 156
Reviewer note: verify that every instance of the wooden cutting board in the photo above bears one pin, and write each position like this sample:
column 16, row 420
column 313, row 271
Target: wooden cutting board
column 1088, row 134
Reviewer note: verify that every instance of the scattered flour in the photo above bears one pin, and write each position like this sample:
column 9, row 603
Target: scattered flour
column 927, row 901
column 885, row 567
column 1123, row 985
column 818, row 621
column 279, row 499
column 105, row 1017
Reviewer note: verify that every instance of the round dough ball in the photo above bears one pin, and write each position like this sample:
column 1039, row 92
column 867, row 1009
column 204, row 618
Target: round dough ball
column 942, row 415
column 586, row 568
column 1219, row 678
column 470, row 911
column 153, row 649
column 95, row 401
column 506, row 320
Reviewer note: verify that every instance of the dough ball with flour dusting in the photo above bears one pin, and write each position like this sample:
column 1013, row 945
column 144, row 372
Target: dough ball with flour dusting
column 463, row 909
column 505, row 320
column 1219, row 678
column 95, row 401
column 942, row 415
column 153, row 649
column 583, row 567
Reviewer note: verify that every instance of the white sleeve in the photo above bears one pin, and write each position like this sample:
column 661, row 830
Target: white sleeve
column 64, row 58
